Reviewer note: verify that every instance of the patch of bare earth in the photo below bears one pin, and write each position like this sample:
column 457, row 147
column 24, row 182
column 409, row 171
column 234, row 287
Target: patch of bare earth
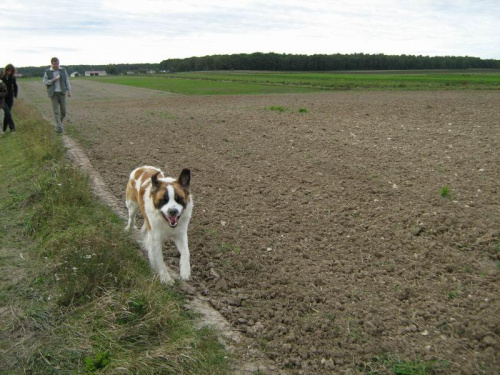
column 321, row 235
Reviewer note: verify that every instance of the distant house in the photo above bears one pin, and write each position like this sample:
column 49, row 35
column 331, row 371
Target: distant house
column 94, row 73
column 75, row 74
column 151, row 71
column 130, row 72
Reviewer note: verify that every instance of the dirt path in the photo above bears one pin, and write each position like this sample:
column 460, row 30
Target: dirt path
column 321, row 234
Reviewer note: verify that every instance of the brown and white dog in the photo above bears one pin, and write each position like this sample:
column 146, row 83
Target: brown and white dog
column 166, row 205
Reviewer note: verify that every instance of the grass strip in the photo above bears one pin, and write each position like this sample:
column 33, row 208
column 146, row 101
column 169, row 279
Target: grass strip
column 76, row 295
column 247, row 83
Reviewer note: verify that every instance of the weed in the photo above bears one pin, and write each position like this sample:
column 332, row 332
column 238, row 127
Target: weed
column 277, row 108
column 416, row 367
column 210, row 232
column 263, row 345
column 455, row 293
column 355, row 331
column 163, row 114
column 133, row 310
column 98, row 362
column 331, row 316
column 227, row 247
column 451, row 295
column 303, row 110
column 445, row 192
column 400, row 366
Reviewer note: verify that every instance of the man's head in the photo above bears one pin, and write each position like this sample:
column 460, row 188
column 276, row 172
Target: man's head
column 55, row 63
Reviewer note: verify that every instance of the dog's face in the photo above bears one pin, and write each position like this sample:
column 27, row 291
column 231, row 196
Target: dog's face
column 171, row 197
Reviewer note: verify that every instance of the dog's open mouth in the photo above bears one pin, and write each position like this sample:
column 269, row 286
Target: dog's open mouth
column 171, row 220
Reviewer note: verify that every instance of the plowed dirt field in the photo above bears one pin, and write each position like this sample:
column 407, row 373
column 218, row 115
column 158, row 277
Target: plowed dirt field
column 340, row 231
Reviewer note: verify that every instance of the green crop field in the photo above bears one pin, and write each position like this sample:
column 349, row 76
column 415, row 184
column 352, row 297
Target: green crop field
column 242, row 82
column 196, row 86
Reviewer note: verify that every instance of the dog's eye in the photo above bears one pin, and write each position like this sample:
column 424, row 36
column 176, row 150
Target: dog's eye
column 180, row 200
column 164, row 200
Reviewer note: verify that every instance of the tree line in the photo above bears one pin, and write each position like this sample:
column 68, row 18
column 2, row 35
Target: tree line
column 37, row 71
column 285, row 62
column 319, row 62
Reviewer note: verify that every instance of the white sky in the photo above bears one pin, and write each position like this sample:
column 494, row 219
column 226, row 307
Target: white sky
column 149, row 31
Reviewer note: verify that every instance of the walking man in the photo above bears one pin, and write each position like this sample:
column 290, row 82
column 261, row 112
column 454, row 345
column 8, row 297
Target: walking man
column 57, row 81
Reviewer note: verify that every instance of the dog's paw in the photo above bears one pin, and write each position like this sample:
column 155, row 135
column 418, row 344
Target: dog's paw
column 166, row 279
column 129, row 227
column 185, row 271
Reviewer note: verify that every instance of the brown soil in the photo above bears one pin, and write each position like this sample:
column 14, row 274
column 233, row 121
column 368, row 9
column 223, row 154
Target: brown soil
column 322, row 235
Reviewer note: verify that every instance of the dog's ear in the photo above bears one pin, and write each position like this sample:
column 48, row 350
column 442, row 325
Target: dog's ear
column 185, row 178
column 155, row 184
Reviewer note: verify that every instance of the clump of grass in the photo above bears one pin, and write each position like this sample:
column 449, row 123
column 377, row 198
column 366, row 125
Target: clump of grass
column 277, row 108
column 93, row 302
column 303, row 110
column 400, row 366
column 228, row 247
column 99, row 362
column 163, row 114
column 445, row 192
column 451, row 295
column 416, row 367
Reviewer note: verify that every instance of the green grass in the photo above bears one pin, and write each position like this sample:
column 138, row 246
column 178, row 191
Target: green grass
column 413, row 80
column 244, row 82
column 445, row 192
column 277, row 108
column 416, row 367
column 81, row 297
column 225, row 248
column 399, row 366
column 194, row 86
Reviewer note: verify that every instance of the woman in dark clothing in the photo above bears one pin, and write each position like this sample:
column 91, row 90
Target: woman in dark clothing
column 8, row 77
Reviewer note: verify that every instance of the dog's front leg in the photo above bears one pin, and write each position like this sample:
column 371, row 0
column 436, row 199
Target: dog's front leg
column 156, row 259
column 185, row 263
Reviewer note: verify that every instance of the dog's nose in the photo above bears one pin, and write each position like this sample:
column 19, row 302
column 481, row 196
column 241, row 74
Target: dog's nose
column 173, row 212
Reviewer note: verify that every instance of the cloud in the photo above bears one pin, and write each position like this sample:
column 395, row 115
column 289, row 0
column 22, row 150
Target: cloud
column 118, row 31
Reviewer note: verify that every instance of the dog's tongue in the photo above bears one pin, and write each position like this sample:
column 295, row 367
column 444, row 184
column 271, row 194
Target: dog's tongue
column 173, row 220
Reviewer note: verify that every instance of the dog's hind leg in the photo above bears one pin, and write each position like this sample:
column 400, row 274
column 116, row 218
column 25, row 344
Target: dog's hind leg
column 133, row 209
column 185, row 263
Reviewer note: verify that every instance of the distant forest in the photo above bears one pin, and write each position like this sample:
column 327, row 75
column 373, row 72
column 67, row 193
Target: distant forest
column 37, row 71
column 285, row 62
column 335, row 62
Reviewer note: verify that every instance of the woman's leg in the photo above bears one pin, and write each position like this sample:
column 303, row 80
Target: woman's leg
column 7, row 120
